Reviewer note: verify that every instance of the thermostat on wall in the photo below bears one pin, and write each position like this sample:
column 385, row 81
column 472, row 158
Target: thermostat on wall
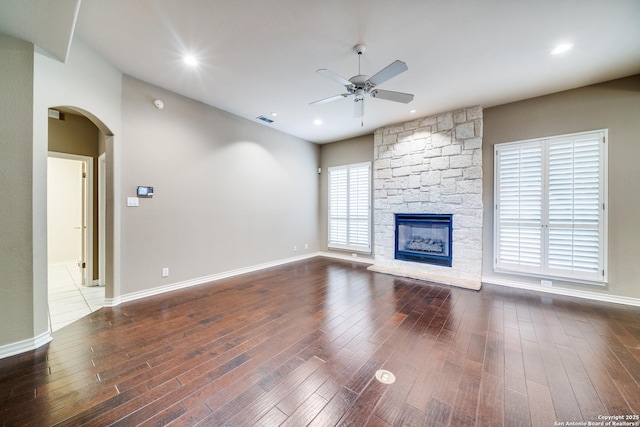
column 145, row 191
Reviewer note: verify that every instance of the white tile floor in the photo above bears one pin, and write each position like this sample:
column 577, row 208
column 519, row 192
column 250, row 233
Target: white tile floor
column 68, row 299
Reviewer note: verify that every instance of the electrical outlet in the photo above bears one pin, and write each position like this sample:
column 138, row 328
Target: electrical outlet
column 306, row 246
column 547, row 283
column 165, row 272
column 295, row 249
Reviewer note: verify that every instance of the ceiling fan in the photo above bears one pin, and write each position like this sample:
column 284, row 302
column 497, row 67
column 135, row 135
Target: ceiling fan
column 361, row 84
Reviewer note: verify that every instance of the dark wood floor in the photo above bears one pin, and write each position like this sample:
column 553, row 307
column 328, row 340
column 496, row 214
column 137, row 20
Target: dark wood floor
column 300, row 344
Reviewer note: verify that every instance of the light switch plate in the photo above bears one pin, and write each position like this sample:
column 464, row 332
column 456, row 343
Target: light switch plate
column 132, row 201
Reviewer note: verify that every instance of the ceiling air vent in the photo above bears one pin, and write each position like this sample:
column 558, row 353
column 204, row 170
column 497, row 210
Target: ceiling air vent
column 265, row 119
column 55, row 114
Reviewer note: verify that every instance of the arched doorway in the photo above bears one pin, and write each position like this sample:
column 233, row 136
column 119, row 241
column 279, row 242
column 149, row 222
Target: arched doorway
column 79, row 145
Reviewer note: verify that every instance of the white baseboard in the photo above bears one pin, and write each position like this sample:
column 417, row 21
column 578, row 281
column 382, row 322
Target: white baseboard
column 25, row 345
column 112, row 302
column 595, row 296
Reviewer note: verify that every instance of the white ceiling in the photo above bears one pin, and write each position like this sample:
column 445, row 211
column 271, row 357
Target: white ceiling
column 47, row 24
column 261, row 56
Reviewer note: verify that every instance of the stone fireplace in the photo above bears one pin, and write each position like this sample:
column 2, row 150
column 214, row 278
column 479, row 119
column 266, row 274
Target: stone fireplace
column 430, row 166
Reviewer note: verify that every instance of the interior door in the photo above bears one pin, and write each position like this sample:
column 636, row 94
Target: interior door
column 70, row 212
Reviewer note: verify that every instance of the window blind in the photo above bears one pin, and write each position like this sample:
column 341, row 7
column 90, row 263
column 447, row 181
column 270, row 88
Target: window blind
column 350, row 207
column 550, row 207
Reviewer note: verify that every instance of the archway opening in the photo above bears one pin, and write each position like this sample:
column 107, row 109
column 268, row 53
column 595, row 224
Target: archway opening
column 80, row 274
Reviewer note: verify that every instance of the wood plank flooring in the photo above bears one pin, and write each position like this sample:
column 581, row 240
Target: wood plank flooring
column 300, row 344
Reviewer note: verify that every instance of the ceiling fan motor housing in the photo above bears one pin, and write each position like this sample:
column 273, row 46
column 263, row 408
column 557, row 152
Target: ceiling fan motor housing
column 360, row 83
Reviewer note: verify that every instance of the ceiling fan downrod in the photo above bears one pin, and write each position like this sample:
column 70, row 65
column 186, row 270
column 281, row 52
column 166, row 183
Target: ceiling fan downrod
column 359, row 49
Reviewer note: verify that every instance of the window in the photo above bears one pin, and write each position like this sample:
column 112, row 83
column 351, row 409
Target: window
column 550, row 207
column 350, row 207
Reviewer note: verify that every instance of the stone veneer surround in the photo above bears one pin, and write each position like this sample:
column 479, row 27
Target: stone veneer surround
column 431, row 165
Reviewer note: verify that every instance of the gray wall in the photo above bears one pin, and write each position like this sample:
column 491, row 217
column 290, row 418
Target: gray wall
column 16, row 206
column 354, row 150
column 229, row 193
column 614, row 105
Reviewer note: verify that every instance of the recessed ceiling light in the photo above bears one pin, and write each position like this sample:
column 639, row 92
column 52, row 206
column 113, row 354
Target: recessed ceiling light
column 412, row 111
column 317, row 122
column 562, row 48
column 273, row 114
column 191, row 60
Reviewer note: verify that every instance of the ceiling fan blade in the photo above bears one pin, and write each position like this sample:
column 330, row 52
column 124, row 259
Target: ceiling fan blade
column 333, row 76
column 390, row 95
column 388, row 72
column 329, row 99
column 358, row 108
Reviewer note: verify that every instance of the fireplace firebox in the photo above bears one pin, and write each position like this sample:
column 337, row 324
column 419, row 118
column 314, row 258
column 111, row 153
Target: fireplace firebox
column 424, row 238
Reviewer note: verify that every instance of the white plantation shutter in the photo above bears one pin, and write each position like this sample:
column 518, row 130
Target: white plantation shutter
column 359, row 187
column 550, row 207
column 338, row 205
column 519, row 210
column 575, row 206
column 350, row 207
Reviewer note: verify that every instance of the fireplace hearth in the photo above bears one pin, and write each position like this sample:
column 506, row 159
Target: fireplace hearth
column 424, row 238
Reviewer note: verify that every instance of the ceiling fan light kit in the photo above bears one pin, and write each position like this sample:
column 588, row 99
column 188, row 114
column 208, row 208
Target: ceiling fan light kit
column 361, row 84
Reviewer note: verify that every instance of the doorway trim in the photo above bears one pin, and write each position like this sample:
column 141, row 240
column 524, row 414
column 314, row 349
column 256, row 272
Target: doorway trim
column 102, row 221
